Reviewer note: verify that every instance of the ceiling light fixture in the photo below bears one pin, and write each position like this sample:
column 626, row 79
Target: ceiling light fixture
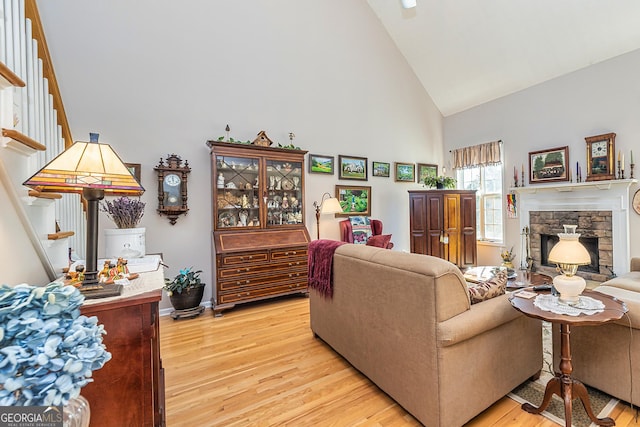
column 408, row 4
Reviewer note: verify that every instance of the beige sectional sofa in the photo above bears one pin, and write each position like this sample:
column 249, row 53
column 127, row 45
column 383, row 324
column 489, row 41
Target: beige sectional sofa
column 405, row 321
column 607, row 356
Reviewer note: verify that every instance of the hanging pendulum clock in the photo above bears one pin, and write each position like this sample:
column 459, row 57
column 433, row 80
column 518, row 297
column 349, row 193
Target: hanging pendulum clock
column 172, row 187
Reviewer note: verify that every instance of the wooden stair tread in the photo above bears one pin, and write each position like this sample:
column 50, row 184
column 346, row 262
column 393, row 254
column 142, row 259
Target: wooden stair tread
column 60, row 235
column 23, row 139
column 10, row 76
column 41, row 195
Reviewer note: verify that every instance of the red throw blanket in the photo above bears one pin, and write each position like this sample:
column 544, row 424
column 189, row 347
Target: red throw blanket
column 320, row 265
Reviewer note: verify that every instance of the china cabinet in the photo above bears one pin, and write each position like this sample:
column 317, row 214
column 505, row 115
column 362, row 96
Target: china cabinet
column 443, row 224
column 259, row 235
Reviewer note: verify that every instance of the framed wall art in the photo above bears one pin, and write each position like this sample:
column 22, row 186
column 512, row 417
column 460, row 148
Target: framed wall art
column 135, row 169
column 354, row 200
column 321, row 164
column 426, row 170
column 352, row 167
column 405, row 172
column 600, row 157
column 549, row 165
column 380, row 169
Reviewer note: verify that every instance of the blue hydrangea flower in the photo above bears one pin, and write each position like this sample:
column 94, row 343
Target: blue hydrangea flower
column 48, row 351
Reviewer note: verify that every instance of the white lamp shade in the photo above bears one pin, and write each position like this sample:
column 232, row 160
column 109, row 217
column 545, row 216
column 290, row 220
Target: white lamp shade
column 569, row 251
column 331, row 205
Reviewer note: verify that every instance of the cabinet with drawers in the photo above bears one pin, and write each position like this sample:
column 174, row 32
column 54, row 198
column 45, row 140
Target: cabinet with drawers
column 259, row 235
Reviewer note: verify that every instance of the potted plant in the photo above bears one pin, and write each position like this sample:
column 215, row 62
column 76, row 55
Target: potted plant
column 128, row 240
column 185, row 290
column 440, row 182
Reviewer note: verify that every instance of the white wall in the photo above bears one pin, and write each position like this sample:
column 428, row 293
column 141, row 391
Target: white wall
column 562, row 112
column 155, row 78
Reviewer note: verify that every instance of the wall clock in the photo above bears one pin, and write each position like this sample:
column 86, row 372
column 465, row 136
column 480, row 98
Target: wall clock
column 600, row 157
column 172, row 187
column 635, row 202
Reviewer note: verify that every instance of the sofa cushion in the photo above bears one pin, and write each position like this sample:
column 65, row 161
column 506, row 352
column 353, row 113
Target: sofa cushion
column 380, row 241
column 629, row 281
column 488, row 289
column 361, row 229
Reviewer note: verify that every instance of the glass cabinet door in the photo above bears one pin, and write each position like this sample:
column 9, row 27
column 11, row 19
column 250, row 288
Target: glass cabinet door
column 284, row 193
column 237, row 193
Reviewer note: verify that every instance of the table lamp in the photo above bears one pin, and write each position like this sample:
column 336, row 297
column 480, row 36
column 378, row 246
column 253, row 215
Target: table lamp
column 93, row 170
column 327, row 205
column 568, row 254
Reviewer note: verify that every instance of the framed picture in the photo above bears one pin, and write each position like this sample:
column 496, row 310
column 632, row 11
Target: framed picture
column 405, row 172
column 381, row 169
column 134, row 168
column 425, row 170
column 601, row 151
column 354, row 200
column 549, row 165
column 320, row 164
column 352, row 167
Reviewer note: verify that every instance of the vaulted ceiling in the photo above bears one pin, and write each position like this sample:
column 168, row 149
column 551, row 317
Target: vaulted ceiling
column 467, row 52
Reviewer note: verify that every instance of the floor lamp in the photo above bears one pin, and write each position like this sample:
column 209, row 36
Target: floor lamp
column 327, row 205
column 93, row 170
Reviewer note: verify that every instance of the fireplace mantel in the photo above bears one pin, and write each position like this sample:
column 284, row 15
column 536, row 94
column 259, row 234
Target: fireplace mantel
column 583, row 196
column 621, row 184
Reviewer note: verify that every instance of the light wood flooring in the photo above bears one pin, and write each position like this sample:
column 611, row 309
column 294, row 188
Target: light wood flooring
column 260, row 365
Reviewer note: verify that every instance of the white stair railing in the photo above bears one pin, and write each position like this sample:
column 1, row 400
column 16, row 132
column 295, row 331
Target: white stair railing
column 31, row 112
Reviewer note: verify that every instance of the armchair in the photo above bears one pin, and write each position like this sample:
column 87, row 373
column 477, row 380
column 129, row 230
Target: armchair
column 346, row 231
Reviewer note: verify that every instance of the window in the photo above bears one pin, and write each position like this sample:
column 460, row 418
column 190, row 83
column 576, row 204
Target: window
column 487, row 181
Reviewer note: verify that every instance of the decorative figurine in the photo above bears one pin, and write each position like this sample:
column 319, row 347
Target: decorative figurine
column 243, row 215
column 221, row 180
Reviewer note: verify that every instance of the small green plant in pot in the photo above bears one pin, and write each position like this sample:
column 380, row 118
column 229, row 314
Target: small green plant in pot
column 185, row 290
column 440, row 181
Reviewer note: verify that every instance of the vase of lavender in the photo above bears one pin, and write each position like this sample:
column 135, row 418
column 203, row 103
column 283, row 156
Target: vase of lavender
column 128, row 240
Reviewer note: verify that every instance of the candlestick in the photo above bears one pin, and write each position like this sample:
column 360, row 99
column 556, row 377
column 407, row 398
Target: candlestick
column 619, row 170
column 579, row 173
column 523, row 176
column 632, row 165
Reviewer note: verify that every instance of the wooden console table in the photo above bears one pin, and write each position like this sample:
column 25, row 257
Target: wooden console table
column 563, row 384
column 129, row 389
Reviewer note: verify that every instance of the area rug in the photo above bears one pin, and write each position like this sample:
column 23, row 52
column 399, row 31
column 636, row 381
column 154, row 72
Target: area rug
column 533, row 392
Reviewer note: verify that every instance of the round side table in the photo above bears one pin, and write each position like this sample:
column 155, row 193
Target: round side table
column 563, row 384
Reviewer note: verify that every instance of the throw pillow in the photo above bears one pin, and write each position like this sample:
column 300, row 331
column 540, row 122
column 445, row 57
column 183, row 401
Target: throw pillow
column 361, row 228
column 380, row 241
column 491, row 288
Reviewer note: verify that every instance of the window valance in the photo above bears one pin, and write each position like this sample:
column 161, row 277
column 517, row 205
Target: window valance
column 478, row 155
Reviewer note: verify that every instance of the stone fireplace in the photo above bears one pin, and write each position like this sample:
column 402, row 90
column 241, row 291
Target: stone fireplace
column 595, row 230
column 599, row 209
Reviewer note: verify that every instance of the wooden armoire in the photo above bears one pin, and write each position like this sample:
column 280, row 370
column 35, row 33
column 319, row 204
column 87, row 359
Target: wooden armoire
column 443, row 224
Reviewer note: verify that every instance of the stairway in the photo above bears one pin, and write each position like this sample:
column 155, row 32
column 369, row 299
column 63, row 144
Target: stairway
column 37, row 230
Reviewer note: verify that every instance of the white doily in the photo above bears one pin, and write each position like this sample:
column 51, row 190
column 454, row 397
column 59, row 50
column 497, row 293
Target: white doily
column 585, row 305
